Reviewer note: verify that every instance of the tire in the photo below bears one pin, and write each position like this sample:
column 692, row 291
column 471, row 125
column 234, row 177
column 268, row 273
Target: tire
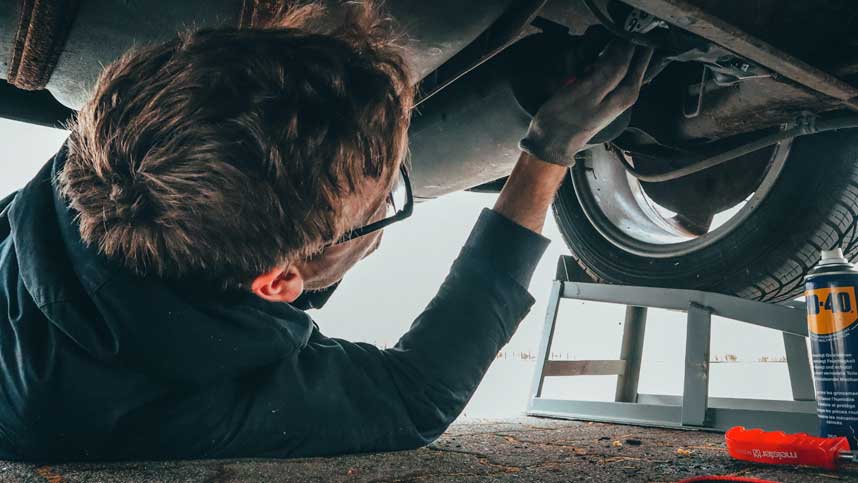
column 811, row 205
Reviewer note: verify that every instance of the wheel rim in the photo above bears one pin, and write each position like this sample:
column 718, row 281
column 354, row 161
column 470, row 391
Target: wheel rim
column 619, row 209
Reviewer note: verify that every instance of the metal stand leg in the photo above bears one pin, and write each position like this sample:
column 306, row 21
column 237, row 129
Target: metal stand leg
column 798, row 364
column 631, row 352
column 547, row 337
column 695, row 394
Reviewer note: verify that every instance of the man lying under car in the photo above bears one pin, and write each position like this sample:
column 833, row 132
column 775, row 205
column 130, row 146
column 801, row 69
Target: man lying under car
column 153, row 273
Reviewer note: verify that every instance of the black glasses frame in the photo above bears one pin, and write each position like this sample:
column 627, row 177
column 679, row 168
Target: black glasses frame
column 407, row 210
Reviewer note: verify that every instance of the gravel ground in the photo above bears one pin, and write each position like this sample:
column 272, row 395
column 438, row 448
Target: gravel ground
column 520, row 450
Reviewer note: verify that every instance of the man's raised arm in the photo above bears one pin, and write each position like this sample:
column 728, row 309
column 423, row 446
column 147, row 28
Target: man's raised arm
column 335, row 396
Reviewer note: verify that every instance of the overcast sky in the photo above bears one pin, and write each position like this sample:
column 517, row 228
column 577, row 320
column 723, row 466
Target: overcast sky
column 380, row 297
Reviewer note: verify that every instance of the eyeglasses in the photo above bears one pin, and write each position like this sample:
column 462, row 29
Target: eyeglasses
column 400, row 205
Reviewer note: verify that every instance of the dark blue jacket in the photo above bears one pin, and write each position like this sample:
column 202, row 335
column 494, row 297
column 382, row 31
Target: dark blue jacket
column 98, row 364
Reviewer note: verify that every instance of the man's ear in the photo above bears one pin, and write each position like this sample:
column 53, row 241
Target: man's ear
column 279, row 285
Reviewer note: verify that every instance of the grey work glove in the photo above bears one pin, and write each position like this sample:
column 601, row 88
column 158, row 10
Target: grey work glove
column 575, row 113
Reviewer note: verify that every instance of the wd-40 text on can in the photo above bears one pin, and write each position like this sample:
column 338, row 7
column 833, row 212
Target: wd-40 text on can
column 830, row 292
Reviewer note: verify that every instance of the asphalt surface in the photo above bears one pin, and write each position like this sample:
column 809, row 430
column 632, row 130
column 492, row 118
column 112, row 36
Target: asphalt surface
column 521, row 450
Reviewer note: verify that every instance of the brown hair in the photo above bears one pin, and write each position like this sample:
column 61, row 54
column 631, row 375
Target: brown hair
column 224, row 153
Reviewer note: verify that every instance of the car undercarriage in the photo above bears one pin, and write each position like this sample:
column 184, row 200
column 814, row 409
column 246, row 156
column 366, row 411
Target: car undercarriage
column 734, row 168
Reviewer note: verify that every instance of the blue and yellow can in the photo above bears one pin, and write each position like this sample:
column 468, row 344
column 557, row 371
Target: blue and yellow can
column 832, row 313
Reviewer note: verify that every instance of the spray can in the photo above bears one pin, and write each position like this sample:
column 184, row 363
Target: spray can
column 832, row 313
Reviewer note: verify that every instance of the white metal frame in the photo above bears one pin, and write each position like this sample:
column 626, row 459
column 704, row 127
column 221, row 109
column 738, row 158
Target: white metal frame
column 694, row 409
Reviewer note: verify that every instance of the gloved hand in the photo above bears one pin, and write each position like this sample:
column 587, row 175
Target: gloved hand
column 574, row 114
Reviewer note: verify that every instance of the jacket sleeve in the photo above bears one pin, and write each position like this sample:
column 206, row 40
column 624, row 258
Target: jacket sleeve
column 335, row 396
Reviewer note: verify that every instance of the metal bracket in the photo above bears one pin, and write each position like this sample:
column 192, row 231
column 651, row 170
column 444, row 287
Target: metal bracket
column 696, row 20
column 693, row 111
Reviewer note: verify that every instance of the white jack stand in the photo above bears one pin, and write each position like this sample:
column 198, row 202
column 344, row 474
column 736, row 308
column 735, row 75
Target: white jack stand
column 694, row 409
